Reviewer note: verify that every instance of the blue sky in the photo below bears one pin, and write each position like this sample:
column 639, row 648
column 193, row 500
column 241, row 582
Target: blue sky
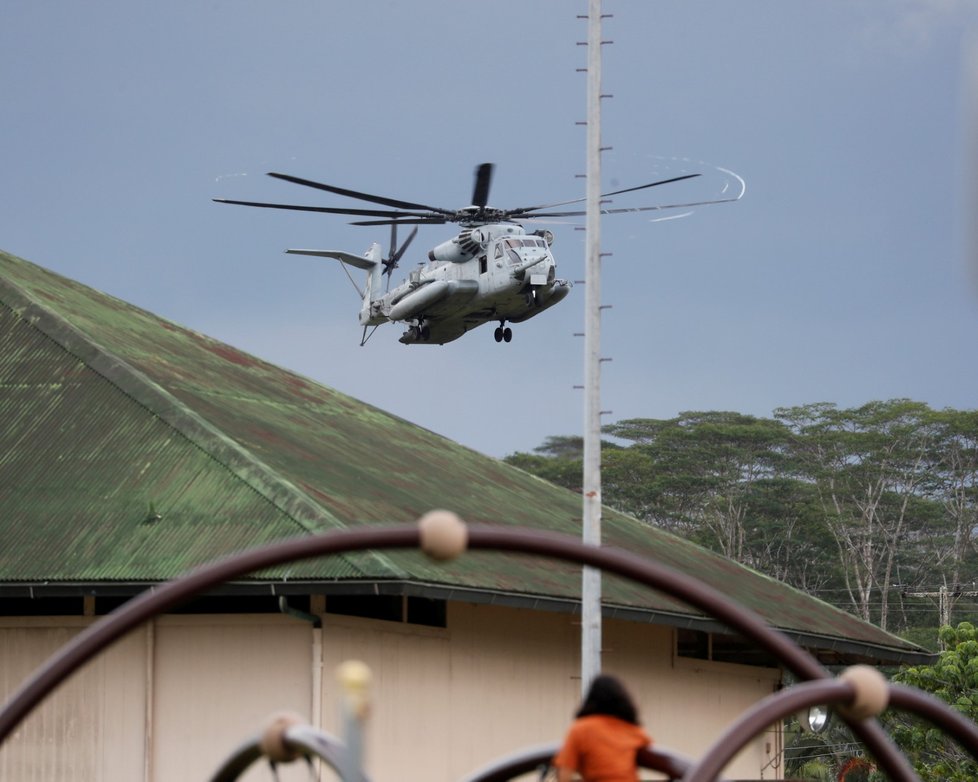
column 841, row 275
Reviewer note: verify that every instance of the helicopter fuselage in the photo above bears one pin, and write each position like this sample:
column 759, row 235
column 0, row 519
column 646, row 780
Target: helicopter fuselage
column 487, row 273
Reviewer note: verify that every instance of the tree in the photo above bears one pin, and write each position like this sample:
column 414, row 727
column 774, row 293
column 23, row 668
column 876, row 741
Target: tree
column 559, row 460
column 870, row 468
column 703, row 468
column 955, row 470
column 786, row 534
column 953, row 679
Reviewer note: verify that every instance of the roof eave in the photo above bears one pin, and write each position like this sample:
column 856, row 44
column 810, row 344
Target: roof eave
column 829, row 650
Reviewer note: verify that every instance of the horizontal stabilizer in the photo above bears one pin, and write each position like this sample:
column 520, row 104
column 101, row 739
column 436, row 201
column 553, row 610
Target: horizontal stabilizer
column 354, row 260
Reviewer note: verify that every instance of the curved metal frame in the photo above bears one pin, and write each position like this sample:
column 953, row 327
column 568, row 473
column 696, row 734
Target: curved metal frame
column 531, row 758
column 652, row 574
column 802, row 696
column 303, row 739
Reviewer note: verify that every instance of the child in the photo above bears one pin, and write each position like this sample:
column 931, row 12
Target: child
column 601, row 743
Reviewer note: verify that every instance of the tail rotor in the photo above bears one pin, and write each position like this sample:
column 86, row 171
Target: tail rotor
column 395, row 254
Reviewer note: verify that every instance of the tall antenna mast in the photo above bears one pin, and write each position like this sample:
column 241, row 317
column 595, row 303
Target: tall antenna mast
column 591, row 577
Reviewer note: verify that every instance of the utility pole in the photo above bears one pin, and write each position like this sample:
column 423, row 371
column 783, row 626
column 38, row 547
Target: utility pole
column 591, row 532
column 943, row 596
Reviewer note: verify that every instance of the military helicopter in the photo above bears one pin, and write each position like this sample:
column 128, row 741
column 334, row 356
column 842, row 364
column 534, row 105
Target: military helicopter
column 492, row 271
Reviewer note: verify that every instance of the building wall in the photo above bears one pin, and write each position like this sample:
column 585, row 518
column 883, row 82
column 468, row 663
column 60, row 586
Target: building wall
column 92, row 728
column 173, row 699
column 216, row 681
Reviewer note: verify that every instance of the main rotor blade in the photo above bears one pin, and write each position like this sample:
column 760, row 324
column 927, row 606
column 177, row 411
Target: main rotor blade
column 360, row 196
column 526, row 209
column 627, row 209
column 623, row 210
column 650, row 184
column 431, row 220
column 334, row 210
column 483, row 178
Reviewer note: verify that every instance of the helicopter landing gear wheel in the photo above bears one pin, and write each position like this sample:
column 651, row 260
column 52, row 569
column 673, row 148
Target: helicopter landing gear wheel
column 498, row 334
column 503, row 333
column 507, row 334
column 418, row 333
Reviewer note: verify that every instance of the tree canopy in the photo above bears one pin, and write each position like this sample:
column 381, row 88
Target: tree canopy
column 868, row 507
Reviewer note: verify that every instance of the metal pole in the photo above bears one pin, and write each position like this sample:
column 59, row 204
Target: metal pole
column 591, row 534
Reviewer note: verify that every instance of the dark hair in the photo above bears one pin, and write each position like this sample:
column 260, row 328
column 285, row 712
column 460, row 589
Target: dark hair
column 607, row 695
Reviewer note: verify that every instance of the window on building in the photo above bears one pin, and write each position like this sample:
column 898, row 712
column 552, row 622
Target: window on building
column 390, row 608
column 721, row 648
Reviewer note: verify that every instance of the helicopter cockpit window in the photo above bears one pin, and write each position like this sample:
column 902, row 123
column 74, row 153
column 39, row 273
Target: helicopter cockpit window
column 511, row 252
column 499, row 251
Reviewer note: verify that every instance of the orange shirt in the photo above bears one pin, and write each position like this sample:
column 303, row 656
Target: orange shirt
column 602, row 749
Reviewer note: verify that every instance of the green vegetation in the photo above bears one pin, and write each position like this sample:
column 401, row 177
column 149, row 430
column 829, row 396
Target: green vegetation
column 953, row 679
column 867, row 507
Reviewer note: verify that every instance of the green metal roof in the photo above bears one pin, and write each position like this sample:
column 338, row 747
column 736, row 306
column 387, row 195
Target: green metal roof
column 132, row 449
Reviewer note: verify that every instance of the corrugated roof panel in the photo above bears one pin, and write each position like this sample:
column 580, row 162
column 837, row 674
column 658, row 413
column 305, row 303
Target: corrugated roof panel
column 110, row 413
column 84, row 468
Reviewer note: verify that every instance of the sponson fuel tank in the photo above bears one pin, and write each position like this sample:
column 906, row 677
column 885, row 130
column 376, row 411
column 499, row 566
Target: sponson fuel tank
column 430, row 295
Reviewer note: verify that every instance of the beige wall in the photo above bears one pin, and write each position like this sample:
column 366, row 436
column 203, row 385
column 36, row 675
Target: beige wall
column 217, row 679
column 446, row 701
column 74, row 735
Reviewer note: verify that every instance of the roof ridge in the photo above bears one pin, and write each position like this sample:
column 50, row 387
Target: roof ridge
column 292, row 501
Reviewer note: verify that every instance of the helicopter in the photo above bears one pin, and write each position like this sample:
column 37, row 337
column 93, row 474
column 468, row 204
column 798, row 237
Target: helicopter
column 493, row 270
